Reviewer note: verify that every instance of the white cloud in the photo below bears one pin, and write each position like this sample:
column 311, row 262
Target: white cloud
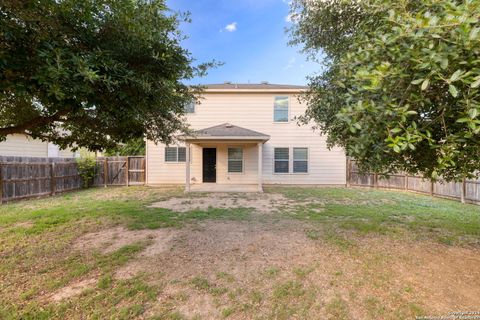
column 290, row 63
column 231, row 27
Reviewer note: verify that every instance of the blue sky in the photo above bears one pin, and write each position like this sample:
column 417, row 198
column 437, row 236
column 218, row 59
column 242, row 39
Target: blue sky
column 248, row 36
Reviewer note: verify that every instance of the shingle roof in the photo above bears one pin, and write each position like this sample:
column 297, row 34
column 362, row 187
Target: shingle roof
column 227, row 130
column 253, row 86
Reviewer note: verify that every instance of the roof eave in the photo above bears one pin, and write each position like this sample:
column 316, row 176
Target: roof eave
column 225, row 138
column 254, row 90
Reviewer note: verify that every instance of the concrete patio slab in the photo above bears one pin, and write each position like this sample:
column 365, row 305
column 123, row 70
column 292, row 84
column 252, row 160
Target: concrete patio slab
column 215, row 187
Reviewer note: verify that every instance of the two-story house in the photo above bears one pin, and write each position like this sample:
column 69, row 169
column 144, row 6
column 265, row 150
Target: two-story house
column 246, row 137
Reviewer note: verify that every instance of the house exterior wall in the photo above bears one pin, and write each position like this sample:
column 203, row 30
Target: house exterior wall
column 161, row 172
column 22, row 146
column 252, row 111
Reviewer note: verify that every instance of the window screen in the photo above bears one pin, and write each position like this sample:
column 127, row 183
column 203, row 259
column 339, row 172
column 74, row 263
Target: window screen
column 171, row 154
column 281, row 158
column 182, row 154
column 190, row 107
column 175, row 154
column 235, row 160
column 280, row 109
column 300, row 160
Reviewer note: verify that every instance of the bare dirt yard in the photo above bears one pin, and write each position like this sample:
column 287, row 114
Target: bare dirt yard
column 289, row 253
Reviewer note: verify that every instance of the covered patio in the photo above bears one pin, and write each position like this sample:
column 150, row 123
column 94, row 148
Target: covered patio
column 230, row 159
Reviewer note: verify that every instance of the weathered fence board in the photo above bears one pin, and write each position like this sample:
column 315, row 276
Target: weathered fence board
column 120, row 171
column 26, row 177
column 468, row 190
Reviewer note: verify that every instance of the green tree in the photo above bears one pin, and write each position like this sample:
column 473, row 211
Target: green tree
column 93, row 73
column 400, row 86
column 134, row 147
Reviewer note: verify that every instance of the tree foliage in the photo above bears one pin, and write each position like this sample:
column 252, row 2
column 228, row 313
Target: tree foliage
column 400, row 89
column 93, row 73
column 134, row 147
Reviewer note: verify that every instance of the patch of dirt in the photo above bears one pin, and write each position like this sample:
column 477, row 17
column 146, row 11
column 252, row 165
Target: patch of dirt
column 375, row 273
column 24, row 224
column 447, row 277
column 201, row 306
column 110, row 240
column 261, row 202
column 365, row 276
column 241, row 248
column 72, row 290
column 136, row 193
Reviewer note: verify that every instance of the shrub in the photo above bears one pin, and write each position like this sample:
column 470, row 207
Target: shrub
column 86, row 170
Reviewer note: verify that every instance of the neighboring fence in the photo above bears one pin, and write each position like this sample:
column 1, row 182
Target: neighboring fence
column 466, row 191
column 26, row 177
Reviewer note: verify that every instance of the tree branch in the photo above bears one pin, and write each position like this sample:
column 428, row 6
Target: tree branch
column 35, row 122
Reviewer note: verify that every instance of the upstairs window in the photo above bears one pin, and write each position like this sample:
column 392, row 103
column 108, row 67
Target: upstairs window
column 300, row 160
column 190, row 107
column 235, row 160
column 175, row 154
column 280, row 109
column 281, row 159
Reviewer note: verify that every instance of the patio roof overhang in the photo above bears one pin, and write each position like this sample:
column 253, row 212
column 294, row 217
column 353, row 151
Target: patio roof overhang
column 224, row 133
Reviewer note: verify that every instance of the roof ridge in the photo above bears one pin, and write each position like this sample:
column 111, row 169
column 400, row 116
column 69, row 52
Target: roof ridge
column 230, row 127
column 253, row 86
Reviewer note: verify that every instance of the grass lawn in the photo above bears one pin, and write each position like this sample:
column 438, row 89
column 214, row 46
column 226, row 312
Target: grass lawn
column 303, row 253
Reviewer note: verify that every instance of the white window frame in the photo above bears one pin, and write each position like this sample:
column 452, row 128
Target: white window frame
column 176, row 161
column 288, row 111
column 194, row 103
column 293, row 160
column 243, row 159
column 288, row 161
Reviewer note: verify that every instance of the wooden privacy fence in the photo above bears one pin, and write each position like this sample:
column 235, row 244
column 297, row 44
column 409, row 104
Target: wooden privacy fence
column 120, row 171
column 466, row 191
column 26, row 177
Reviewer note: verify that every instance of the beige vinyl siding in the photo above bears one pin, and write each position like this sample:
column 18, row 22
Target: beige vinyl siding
column 253, row 111
column 22, row 146
column 66, row 153
column 162, row 172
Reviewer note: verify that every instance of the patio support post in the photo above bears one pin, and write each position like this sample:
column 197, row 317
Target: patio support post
column 260, row 166
column 187, row 168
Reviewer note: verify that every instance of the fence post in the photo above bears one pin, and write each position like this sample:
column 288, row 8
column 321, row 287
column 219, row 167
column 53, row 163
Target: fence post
column 464, row 190
column 349, row 172
column 53, row 184
column 105, row 172
column 432, row 186
column 405, row 187
column 144, row 174
column 127, row 167
column 375, row 180
column 1, row 184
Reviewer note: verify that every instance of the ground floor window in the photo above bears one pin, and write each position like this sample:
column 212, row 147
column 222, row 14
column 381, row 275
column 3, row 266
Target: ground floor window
column 175, row 154
column 281, row 159
column 300, row 160
column 235, row 160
